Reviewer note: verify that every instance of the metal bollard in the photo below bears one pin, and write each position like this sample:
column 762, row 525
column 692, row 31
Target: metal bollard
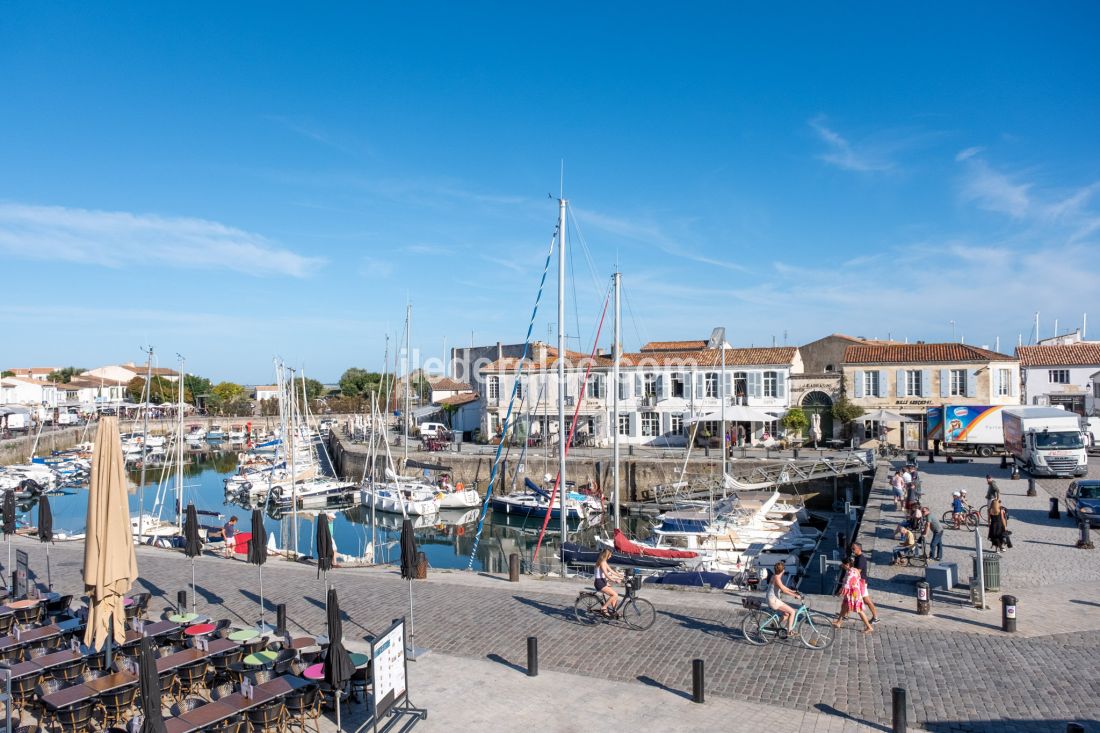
column 1015, row 472
column 532, row 656
column 1085, row 541
column 1054, row 513
column 1008, row 613
column 513, row 567
column 924, row 598
column 697, row 681
column 181, row 601
column 280, row 619
column 898, row 703
column 931, row 456
column 1031, row 486
column 796, row 453
column 1004, row 462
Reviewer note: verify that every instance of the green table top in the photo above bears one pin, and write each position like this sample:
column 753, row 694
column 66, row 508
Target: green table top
column 359, row 659
column 184, row 618
column 260, row 658
column 244, row 635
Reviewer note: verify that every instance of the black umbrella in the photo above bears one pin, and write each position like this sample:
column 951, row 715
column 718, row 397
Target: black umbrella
column 9, row 526
column 409, row 555
column 45, row 532
column 192, row 545
column 257, row 553
column 152, row 720
column 324, row 546
column 338, row 666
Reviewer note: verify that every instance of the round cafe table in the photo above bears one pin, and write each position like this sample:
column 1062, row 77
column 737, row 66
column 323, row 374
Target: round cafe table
column 127, row 602
column 317, row 671
column 244, row 635
column 28, row 603
column 260, row 658
column 185, row 618
column 199, row 629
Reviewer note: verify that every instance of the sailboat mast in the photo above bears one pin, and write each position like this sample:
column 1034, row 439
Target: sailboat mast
column 561, row 375
column 145, row 441
column 293, row 450
column 722, row 391
column 408, row 375
column 617, row 351
column 179, row 446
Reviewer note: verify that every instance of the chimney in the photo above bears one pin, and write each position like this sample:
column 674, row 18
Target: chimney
column 500, row 350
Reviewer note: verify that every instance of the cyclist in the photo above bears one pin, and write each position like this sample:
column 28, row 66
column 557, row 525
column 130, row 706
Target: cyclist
column 774, row 596
column 958, row 509
column 605, row 575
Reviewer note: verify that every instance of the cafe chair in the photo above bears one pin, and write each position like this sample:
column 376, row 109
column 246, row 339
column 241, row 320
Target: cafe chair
column 7, row 621
column 283, row 661
column 221, row 663
column 116, row 707
column 221, row 628
column 75, row 718
column 22, row 689
column 70, row 672
column 55, row 610
column 35, row 652
column 141, row 604
column 185, row 705
column 43, row 688
column 30, row 616
column 252, row 646
column 303, row 706
column 260, row 676
column 190, row 679
column 224, row 689
column 268, row 717
column 167, row 649
column 234, row 724
column 92, row 674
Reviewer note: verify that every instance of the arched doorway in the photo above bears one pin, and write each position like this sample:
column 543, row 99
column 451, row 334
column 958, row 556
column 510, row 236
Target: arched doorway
column 819, row 403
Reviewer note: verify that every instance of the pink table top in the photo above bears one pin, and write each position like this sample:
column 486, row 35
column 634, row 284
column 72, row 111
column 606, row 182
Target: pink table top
column 315, row 671
column 199, row 629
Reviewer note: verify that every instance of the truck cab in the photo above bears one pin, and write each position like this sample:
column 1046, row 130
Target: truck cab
column 1045, row 441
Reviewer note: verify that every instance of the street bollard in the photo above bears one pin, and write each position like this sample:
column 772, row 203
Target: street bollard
column 1085, row 541
column 1004, row 462
column 1008, row 614
column 532, row 656
column 280, row 619
column 1054, row 513
column 181, row 601
column 931, row 456
column 796, row 453
column 1015, row 472
column 1031, row 486
column 697, row 681
column 924, row 598
column 898, row 703
column 706, row 450
column 513, row 567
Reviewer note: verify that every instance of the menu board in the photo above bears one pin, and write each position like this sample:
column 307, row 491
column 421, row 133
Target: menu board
column 388, row 668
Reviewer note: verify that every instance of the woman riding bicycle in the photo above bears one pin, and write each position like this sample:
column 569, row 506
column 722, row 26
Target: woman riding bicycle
column 774, row 596
column 605, row 575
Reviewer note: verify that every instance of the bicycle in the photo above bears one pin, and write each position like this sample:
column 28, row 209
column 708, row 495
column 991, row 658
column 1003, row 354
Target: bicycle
column 971, row 518
column 917, row 557
column 762, row 625
column 886, row 450
column 635, row 612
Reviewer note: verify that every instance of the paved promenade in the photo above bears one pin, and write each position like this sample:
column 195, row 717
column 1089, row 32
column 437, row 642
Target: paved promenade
column 962, row 672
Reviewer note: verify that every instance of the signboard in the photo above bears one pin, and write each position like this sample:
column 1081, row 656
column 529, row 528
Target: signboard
column 388, row 668
column 22, row 572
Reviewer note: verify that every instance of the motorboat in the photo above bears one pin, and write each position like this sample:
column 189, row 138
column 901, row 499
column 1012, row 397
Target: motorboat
column 316, row 493
column 398, row 498
column 215, row 433
column 236, row 434
column 535, row 502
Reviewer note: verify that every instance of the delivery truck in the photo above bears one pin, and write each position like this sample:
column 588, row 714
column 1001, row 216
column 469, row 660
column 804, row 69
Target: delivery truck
column 1045, row 441
column 967, row 428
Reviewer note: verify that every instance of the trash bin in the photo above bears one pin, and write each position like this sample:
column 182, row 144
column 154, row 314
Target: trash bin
column 991, row 568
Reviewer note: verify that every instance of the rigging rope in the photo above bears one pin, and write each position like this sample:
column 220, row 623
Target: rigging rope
column 511, row 403
column 573, row 425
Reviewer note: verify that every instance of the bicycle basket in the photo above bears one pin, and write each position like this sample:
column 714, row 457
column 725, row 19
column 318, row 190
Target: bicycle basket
column 752, row 603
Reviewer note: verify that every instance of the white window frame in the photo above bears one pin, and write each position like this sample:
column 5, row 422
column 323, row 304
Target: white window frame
column 595, row 386
column 624, row 423
column 1004, row 383
column 913, row 382
column 710, row 385
column 649, row 384
column 770, row 384
column 676, row 423
column 678, row 385
column 492, row 384
column 650, row 424
column 740, row 386
column 1056, row 376
column 957, row 385
column 871, row 387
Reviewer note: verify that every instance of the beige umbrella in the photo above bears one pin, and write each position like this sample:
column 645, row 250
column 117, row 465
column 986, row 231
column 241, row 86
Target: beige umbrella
column 110, row 566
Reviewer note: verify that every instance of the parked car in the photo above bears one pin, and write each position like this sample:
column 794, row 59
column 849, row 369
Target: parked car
column 433, row 430
column 1083, row 499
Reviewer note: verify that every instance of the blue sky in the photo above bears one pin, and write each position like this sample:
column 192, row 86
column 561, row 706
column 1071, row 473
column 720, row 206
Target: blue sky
column 236, row 181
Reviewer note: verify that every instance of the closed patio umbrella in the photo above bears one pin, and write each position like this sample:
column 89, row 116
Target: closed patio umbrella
column 192, row 545
column 110, row 566
column 257, row 554
column 409, row 553
column 9, row 528
column 338, row 665
column 45, row 533
column 324, row 546
column 152, row 721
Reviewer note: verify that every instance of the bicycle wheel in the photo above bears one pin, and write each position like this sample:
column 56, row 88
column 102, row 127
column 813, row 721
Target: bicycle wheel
column 971, row 520
column 816, row 631
column 586, row 609
column 983, row 514
column 948, row 519
column 759, row 628
column 919, row 559
column 638, row 613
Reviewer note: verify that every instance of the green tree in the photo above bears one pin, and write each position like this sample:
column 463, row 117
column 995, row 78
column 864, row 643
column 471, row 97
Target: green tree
column 226, row 392
column 356, row 382
column 197, row 386
column 163, row 390
column 795, row 421
column 314, row 389
column 7, row 373
column 846, row 412
column 64, row 376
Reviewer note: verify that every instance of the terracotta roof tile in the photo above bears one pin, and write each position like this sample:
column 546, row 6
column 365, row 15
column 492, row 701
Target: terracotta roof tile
column 763, row 356
column 675, row 345
column 446, row 384
column 920, row 354
column 458, row 399
column 1082, row 354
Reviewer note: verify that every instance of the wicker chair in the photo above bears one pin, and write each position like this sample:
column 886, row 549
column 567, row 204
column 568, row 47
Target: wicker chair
column 186, row 705
column 141, row 604
column 190, row 679
column 268, row 717
column 225, row 689
column 221, row 664
column 164, row 651
column 260, row 676
column 22, row 689
column 303, row 706
column 30, row 616
column 75, row 718
column 283, row 661
column 59, row 608
column 115, row 707
column 92, row 674
column 221, row 628
column 234, row 724
column 7, row 621
column 45, row 687
column 70, row 672
column 252, row 646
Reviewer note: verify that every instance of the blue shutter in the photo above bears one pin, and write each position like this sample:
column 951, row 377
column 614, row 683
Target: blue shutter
column 945, row 383
column 781, row 385
column 883, row 383
column 971, row 382
column 700, row 390
column 995, row 382
column 901, row 383
column 926, row 383
column 756, row 385
column 1012, row 383
column 857, row 384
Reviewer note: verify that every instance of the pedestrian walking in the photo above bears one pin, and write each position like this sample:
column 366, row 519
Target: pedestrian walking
column 999, row 536
column 860, row 562
column 992, row 491
column 898, row 486
column 851, row 594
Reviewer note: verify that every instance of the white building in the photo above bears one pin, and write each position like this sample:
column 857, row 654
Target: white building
column 38, row 374
column 265, row 392
column 1062, row 374
column 29, row 392
column 123, row 373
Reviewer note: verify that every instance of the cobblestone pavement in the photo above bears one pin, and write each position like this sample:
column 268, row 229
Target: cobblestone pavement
column 959, row 674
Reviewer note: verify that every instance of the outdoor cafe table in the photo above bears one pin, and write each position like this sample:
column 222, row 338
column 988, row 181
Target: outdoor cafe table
column 23, row 669
column 56, row 659
column 68, row 696
column 214, row 712
column 192, row 654
column 317, row 671
column 113, row 681
column 42, row 632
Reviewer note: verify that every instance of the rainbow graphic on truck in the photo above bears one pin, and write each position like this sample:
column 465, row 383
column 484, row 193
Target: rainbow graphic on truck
column 967, row 426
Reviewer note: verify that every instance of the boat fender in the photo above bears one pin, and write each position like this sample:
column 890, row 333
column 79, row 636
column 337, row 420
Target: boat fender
column 460, row 486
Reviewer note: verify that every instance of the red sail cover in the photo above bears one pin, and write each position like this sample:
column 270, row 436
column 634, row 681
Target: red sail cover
column 622, row 544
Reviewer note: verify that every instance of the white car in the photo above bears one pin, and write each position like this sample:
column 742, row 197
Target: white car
column 434, row 430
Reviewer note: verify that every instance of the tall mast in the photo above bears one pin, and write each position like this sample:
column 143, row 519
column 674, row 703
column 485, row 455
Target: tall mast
column 561, row 374
column 617, row 351
column 408, row 376
column 179, row 446
column 722, row 392
column 145, row 441
column 293, row 450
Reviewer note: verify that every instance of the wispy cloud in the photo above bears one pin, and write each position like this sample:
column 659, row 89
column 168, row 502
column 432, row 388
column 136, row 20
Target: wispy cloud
column 119, row 239
column 427, row 249
column 992, row 190
column 847, row 155
column 314, row 133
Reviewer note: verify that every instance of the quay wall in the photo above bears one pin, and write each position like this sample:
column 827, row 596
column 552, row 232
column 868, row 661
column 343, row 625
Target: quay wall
column 18, row 450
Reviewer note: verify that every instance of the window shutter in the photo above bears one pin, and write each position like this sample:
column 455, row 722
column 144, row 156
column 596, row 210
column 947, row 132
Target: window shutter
column 995, row 381
column 756, row 388
column 1011, row 383
column 727, row 385
column 945, row 382
column 638, row 388
column 700, row 390
column 926, row 383
column 883, row 383
column 971, row 382
column 781, row 385
column 901, row 383
column 857, row 384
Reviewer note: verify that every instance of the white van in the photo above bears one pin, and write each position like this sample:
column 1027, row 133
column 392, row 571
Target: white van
column 433, row 430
